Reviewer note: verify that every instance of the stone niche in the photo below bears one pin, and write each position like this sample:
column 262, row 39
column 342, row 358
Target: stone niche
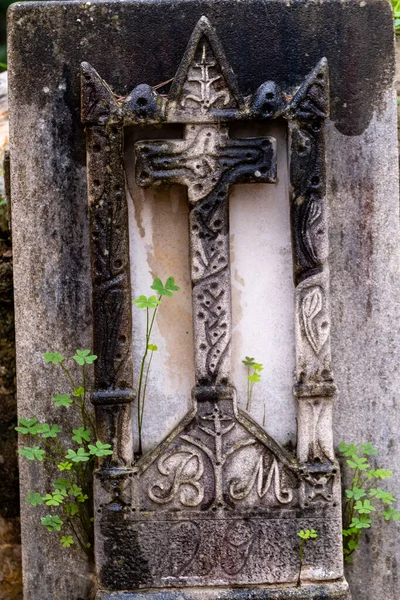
column 224, row 177
column 262, row 306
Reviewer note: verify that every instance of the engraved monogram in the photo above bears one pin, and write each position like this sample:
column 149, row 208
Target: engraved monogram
column 187, row 467
column 239, row 491
column 219, row 461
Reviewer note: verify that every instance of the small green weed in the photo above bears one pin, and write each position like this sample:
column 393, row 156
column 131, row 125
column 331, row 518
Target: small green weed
column 253, row 376
column 150, row 304
column 304, row 536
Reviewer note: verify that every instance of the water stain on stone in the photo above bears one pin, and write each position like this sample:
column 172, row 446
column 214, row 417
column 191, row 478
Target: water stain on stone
column 169, row 256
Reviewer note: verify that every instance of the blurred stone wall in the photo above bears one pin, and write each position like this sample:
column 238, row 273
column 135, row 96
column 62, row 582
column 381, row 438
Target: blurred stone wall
column 10, row 548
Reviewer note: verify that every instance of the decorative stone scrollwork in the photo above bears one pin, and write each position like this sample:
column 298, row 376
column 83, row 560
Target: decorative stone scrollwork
column 317, row 332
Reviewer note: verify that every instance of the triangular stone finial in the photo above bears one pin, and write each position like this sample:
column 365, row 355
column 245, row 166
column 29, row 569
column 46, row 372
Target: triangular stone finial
column 98, row 101
column 204, row 81
column 312, row 98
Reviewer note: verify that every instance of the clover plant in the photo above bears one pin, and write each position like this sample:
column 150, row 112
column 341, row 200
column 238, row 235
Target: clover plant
column 150, row 304
column 72, row 452
column 365, row 501
column 253, row 376
column 304, row 536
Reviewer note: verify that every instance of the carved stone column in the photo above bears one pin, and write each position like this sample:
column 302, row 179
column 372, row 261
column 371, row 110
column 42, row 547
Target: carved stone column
column 112, row 325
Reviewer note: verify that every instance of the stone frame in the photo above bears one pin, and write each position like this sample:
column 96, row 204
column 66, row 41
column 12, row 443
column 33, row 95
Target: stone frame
column 105, row 116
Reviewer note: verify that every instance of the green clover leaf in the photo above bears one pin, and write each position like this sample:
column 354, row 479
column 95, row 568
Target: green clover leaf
column 75, row 490
column 34, row 498
column 144, row 302
column 50, row 431
column 71, row 509
column 31, row 427
column 80, row 456
column 380, row 494
column 249, row 362
column 368, row 449
column 351, row 531
column 54, row 499
column 355, row 493
column 167, row 289
column 100, row 449
column 80, row 391
column 353, row 544
column 348, row 450
column 62, row 400
column 80, row 435
column 364, row 507
column 390, row 513
column 258, row 367
column 66, row 541
column 53, row 357
column 363, row 522
column 348, row 559
column 32, row 453
column 313, row 534
column 65, row 466
column 254, row 378
column 152, row 347
column 306, row 534
column 52, row 522
column 62, row 484
column 378, row 474
column 84, row 356
column 358, row 463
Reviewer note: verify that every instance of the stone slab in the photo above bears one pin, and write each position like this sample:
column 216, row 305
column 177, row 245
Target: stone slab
column 47, row 43
column 334, row 591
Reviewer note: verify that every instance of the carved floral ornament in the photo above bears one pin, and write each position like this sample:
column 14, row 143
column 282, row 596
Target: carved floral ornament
column 217, row 461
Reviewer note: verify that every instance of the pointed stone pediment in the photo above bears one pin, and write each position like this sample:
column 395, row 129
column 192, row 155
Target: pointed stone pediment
column 312, row 98
column 98, row 101
column 217, row 460
column 204, row 83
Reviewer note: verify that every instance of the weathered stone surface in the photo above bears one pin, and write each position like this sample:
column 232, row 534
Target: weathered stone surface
column 48, row 42
column 335, row 591
column 10, row 542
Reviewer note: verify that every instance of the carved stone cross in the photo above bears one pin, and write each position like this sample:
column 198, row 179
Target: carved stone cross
column 208, row 161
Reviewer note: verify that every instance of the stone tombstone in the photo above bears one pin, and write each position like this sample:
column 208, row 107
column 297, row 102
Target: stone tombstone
column 202, row 111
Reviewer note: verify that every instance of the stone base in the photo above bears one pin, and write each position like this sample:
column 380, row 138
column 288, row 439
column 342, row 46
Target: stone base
column 338, row 590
